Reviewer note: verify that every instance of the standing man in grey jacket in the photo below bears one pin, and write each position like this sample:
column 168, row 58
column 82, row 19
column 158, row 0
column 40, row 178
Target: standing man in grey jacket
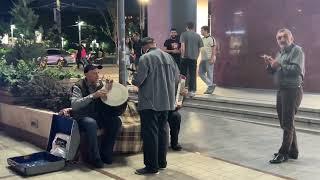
column 157, row 77
column 289, row 69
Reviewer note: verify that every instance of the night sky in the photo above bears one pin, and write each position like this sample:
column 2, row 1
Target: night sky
column 6, row 5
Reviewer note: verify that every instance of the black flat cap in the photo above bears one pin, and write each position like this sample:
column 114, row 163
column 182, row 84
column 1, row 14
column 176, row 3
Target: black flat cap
column 91, row 67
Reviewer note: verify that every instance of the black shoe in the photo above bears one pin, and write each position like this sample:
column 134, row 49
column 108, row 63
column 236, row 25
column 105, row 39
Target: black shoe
column 176, row 147
column 290, row 156
column 280, row 158
column 106, row 160
column 98, row 163
column 161, row 168
column 145, row 171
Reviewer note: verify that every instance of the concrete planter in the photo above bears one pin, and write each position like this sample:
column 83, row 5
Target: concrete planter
column 7, row 97
column 31, row 125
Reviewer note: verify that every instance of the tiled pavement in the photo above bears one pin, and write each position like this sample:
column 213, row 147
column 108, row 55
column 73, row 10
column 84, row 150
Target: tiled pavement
column 248, row 144
column 181, row 165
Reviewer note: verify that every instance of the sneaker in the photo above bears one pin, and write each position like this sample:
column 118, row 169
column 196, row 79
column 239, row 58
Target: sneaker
column 210, row 90
column 146, row 171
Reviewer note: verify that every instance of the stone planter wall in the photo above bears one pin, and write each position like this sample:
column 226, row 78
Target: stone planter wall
column 29, row 124
column 33, row 125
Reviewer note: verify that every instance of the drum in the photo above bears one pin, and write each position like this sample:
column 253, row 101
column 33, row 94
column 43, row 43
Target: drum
column 116, row 103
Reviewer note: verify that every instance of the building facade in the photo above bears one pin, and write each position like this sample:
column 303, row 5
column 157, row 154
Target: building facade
column 245, row 30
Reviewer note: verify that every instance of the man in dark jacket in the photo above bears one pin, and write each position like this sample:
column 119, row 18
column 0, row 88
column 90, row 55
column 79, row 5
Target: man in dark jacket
column 91, row 114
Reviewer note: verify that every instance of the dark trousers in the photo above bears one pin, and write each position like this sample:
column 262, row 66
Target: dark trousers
column 189, row 69
column 111, row 125
column 174, row 120
column 178, row 62
column 288, row 102
column 154, row 132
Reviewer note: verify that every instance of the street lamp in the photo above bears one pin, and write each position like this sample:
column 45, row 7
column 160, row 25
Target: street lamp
column 143, row 3
column 62, row 42
column 12, row 27
column 80, row 23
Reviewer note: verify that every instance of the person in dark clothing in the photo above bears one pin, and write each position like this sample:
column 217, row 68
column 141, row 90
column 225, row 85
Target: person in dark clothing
column 289, row 69
column 78, row 57
column 91, row 114
column 137, row 47
column 191, row 43
column 174, row 120
column 173, row 46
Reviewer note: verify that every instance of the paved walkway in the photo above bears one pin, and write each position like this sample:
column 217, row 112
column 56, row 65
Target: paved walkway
column 181, row 166
column 247, row 144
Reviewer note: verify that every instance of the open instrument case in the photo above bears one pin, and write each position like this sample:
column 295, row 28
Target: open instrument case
column 45, row 162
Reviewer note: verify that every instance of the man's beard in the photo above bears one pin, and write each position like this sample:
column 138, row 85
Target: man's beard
column 173, row 37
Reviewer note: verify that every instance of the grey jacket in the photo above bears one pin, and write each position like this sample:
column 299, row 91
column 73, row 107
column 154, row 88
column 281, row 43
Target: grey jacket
column 156, row 78
column 292, row 67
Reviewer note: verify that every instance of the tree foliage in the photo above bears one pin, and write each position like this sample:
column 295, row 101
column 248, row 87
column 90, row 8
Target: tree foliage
column 24, row 18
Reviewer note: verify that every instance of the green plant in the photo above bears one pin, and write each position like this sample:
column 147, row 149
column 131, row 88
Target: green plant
column 71, row 51
column 12, row 76
column 24, row 18
column 4, row 52
column 26, row 51
column 60, row 74
column 45, row 93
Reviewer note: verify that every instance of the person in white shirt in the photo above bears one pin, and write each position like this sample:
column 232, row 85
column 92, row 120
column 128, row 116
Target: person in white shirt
column 208, row 58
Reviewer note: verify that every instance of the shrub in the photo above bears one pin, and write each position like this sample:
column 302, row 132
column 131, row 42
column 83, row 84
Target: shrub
column 25, row 51
column 61, row 73
column 11, row 75
column 45, row 93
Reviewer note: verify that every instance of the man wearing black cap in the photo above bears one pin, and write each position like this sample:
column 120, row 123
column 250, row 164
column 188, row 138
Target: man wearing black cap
column 92, row 114
column 157, row 77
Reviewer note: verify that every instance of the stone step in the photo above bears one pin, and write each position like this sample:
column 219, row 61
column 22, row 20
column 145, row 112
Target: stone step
column 300, row 126
column 247, row 105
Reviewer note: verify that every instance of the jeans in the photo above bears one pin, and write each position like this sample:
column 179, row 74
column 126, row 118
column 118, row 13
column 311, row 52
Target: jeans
column 189, row 69
column 111, row 125
column 288, row 102
column 154, row 132
column 206, row 72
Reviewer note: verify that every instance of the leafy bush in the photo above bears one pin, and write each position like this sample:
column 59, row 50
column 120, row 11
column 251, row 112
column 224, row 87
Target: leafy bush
column 4, row 51
column 46, row 93
column 71, row 51
column 11, row 75
column 60, row 74
column 26, row 51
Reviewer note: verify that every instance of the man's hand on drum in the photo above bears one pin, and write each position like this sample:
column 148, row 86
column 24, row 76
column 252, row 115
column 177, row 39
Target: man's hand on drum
column 184, row 92
column 102, row 93
column 109, row 83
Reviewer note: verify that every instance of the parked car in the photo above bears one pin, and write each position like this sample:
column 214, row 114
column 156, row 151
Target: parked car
column 54, row 55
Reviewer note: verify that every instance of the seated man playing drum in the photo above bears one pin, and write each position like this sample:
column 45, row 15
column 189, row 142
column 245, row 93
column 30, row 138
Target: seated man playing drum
column 91, row 114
